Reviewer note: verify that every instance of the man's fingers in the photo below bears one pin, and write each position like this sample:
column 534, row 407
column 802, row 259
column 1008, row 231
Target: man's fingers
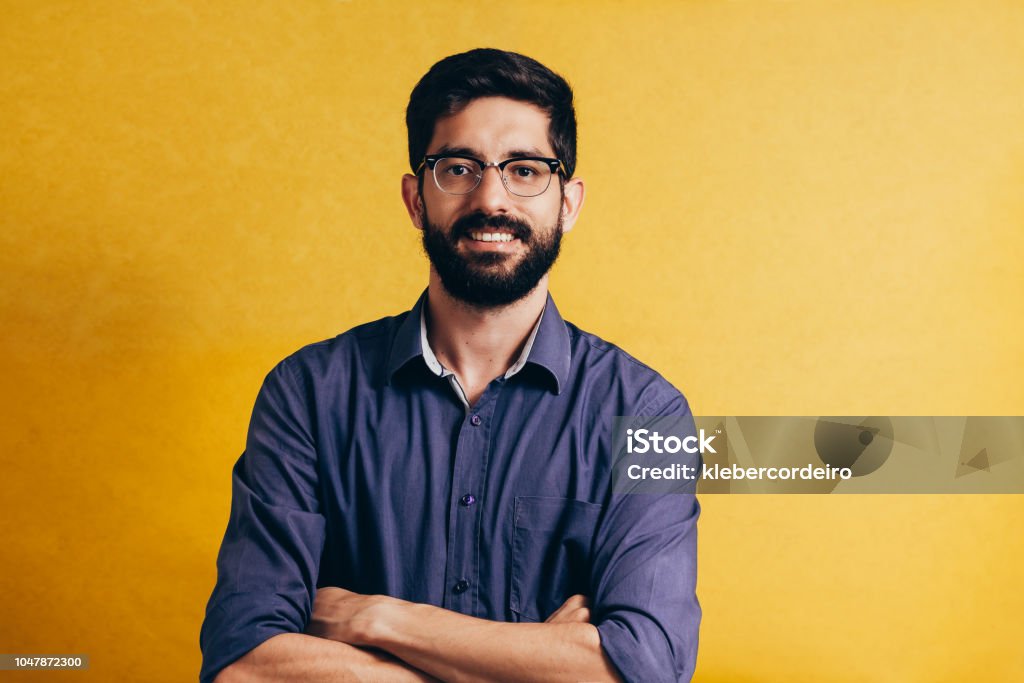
column 574, row 602
column 567, row 612
column 578, row 616
column 579, row 600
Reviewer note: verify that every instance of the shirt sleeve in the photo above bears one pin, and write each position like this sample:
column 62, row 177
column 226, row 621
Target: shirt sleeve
column 644, row 578
column 269, row 559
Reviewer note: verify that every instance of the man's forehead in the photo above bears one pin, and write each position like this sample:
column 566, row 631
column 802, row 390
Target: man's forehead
column 493, row 127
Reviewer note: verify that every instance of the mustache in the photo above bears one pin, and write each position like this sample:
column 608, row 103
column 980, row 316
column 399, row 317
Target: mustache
column 477, row 220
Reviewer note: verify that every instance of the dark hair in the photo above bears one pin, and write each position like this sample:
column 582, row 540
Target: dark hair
column 455, row 81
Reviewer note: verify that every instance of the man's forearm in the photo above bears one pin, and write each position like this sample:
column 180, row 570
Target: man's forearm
column 296, row 656
column 455, row 647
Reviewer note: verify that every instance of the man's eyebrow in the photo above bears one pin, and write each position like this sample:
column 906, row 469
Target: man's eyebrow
column 528, row 152
column 475, row 154
column 458, row 151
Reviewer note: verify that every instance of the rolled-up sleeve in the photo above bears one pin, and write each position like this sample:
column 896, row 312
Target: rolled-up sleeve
column 269, row 559
column 644, row 579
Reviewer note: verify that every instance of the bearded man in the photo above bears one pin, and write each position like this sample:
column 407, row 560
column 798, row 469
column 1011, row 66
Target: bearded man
column 429, row 496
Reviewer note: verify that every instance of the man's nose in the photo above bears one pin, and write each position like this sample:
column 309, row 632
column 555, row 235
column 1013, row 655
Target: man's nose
column 490, row 196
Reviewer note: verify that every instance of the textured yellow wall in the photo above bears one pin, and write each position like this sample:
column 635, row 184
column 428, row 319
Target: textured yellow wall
column 794, row 208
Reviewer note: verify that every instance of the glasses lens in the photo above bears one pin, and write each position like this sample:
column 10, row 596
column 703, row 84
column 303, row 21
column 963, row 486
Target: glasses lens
column 527, row 178
column 456, row 175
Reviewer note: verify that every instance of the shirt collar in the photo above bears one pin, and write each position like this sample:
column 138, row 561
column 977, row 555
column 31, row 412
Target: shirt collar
column 547, row 347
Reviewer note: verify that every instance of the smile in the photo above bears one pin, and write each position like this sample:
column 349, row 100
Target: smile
column 480, row 236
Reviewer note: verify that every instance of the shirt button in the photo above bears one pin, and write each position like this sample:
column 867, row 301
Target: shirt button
column 467, row 500
column 475, row 420
column 461, row 586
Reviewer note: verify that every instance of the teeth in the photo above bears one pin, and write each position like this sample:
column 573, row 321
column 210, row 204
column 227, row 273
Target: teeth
column 491, row 236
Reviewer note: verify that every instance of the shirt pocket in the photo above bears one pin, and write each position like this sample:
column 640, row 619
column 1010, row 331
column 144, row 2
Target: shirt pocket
column 552, row 540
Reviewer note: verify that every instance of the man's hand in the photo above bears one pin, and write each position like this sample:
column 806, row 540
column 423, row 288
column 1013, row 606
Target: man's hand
column 348, row 617
column 575, row 610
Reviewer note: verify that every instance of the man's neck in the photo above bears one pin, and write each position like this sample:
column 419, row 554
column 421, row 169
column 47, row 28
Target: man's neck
column 480, row 344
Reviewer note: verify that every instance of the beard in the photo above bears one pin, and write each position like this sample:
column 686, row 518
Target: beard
column 480, row 279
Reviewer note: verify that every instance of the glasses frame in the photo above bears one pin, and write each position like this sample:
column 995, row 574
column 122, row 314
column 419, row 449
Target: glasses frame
column 430, row 161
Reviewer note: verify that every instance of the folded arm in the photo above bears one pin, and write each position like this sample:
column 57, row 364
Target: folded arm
column 295, row 656
column 456, row 647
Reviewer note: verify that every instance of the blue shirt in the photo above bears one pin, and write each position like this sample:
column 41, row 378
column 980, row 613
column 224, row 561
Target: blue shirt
column 364, row 468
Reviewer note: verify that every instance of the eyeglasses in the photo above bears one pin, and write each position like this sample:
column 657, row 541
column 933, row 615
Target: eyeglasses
column 522, row 176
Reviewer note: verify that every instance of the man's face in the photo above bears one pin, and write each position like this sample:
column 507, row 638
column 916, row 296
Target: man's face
column 490, row 247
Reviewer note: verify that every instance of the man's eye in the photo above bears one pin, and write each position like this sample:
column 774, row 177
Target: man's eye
column 524, row 171
column 457, row 170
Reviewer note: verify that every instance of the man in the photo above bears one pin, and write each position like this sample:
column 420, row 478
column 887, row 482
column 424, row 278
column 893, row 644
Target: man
column 429, row 496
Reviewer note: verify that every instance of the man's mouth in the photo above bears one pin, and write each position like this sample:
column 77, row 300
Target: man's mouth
column 496, row 233
column 490, row 236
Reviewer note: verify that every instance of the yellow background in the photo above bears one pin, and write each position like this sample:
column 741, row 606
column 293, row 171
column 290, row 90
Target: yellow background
column 794, row 208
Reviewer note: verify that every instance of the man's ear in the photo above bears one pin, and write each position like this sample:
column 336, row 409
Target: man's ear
column 413, row 199
column 572, row 202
